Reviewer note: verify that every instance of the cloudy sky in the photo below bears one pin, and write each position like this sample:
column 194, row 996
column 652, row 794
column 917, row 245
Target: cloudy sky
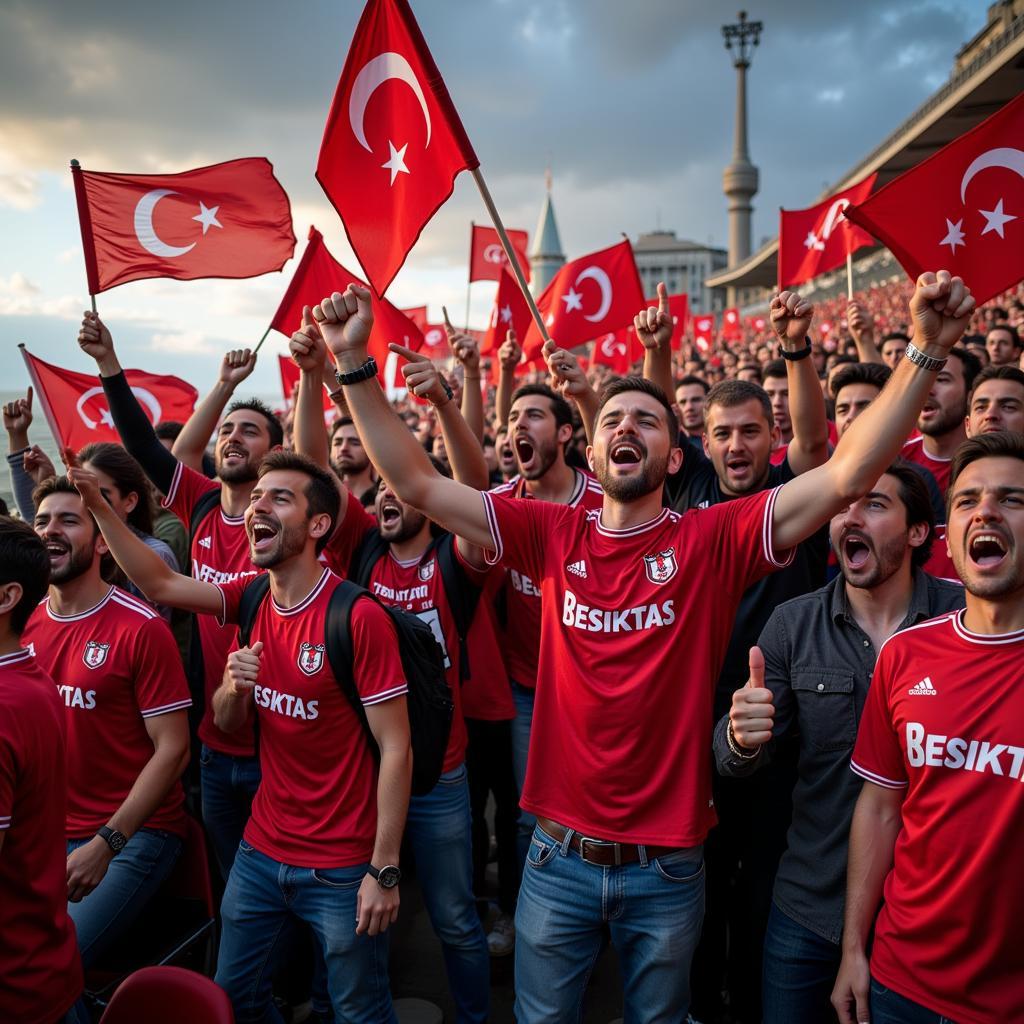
column 631, row 104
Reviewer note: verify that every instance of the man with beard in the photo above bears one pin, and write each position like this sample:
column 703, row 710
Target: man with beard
column 997, row 401
column 401, row 561
column 1003, row 345
column 939, row 824
column 349, row 461
column 117, row 669
column 809, row 676
column 323, row 840
column 637, row 610
column 741, row 432
column 691, row 394
column 229, row 772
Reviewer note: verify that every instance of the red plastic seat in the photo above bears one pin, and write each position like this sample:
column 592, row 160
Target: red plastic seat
column 168, row 995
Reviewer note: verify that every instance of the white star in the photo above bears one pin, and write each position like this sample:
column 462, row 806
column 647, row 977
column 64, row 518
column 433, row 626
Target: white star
column 396, row 162
column 995, row 219
column 207, row 216
column 106, row 418
column 506, row 314
column 811, row 241
column 573, row 300
column 954, row 236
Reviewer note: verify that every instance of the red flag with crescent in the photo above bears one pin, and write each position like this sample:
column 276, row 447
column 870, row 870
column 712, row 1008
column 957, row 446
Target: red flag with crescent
column 487, row 258
column 704, row 331
column 510, row 311
column 393, row 144
column 818, row 239
column 961, row 210
column 76, row 408
column 228, row 220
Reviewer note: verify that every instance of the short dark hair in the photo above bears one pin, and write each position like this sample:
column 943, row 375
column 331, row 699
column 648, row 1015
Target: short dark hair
column 127, row 475
column 560, row 408
column 899, row 336
column 321, row 492
column 168, row 430
column 999, row 444
column 774, row 368
column 692, row 378
column 875, row 374
column 23, row 559
column 1005, row 326
column 622, row 385
column 971, row 366
column 918, row 503
column 58, row 485
column 749, row 366
column 843, row 359
column 274, row 428
column 730, row 393
column 998, row 373
column 341, row 421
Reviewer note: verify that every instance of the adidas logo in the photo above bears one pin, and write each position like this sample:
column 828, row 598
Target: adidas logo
column 924, row 689
column 206, row 542
column 578, row 569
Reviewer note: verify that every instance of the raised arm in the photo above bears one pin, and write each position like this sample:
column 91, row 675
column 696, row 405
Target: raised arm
column 791, row 320
column 569, row 380
column 654, row 329
column 17, row 420
column 141, row 564
column 345, row 321
column 309, row 353
column 862, row 328
column 941, row 309
column 137, row 434
column 467, row 354
column 191, row 443
column 508, row 359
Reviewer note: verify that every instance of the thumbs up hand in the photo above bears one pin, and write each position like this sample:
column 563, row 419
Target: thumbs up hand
column 243, row 669
column 752, row 714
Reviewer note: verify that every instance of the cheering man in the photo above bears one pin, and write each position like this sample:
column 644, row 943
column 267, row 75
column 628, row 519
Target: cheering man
column 631, row 644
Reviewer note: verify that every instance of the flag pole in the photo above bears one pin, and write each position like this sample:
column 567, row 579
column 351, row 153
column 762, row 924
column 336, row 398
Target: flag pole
column 263, row 339
column 513, row 260
column 44, row 401
column 85, row 226
column 469, row 284
column 849, row 276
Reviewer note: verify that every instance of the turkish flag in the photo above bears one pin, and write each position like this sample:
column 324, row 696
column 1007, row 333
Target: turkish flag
column 591, row 296
column 955, row 210
column 819, row 238
column 435, row 343
column 290, row 374
column 487, row 258
column 418, row 315
column 318, row 275
column 618, row 350
column 393, row 142
column 226, row 220
column 704, row 331
column 510, row 311
column 77, row 411
column 732, row 329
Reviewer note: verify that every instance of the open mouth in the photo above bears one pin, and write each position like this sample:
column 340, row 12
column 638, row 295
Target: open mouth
column 524, row 450
column 986, row 549
column 856, row 552
column 263, row 533
column 234, row 454
column 739, row 467
column 55, row 549
column 626, row 453
column 390, row 514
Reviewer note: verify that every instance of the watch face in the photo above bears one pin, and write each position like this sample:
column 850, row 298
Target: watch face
column 389, row 877
column 116, row 841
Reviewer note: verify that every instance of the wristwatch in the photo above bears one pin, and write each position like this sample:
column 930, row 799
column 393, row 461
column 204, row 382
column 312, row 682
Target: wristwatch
column 800, row 353
column 114, row 839
column 926, row 362
column 357, row 376
column 387, row 877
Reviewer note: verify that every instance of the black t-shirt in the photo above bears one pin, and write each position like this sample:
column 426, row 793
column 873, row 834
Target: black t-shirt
column 696, row 485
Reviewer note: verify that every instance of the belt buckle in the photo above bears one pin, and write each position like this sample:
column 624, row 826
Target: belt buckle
column 584, row 840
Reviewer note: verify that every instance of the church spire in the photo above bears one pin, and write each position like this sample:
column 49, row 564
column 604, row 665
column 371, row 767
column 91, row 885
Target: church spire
column 546, row 256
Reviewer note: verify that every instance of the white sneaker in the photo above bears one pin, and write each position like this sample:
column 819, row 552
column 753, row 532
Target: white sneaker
column 502, row 938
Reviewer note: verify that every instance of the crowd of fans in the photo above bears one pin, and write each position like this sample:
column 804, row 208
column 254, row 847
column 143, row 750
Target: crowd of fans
column 717, row 637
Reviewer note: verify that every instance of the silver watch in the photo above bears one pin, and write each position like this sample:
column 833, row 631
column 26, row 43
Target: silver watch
column 918, row 358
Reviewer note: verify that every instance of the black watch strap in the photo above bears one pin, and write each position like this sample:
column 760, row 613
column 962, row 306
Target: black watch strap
column 357, row 376
column 114, row 839
column 802, row 353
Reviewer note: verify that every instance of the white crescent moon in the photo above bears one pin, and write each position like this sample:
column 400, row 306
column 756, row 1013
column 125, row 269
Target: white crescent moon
column 148, row 238
column 834, row 215
column 605, row 284
column 1011, row 159
column 148, row 399
column 375, row 72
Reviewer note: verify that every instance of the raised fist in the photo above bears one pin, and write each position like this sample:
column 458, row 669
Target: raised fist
column 345, row 320
column 941, row 309
column 236, row 366
column 791, row 318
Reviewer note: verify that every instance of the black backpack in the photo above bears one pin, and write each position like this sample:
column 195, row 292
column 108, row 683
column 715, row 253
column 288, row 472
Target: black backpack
column 462, row 594
column 429, row 699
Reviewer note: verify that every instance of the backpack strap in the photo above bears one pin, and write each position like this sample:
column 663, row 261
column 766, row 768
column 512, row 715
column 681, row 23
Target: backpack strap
column 340, row 651
column 462, row 593
column 204, row 505
column 369, row 551
column 252, row 597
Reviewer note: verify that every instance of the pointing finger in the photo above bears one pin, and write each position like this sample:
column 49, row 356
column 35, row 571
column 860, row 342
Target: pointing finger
column 401, row 350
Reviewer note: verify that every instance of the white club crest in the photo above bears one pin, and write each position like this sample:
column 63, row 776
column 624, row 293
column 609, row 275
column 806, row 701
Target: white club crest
column 311, row 658
column 661, row 567
column 95, row 653
column 426, row 571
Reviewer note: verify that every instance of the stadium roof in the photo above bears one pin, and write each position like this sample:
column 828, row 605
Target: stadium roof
column 977, row 88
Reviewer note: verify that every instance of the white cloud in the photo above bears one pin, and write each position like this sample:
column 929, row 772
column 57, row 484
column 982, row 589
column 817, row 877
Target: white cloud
column 20, row 191
column 183, row 343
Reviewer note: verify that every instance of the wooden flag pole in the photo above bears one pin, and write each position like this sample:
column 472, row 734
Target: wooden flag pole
column 263, row 339
column 510, row 253
column 849, row 276
column 44, row 402
column 85, row 226
column 469, row 284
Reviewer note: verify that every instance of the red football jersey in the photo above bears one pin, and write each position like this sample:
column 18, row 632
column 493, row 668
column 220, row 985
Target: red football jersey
column 220, row 553
column 522, row 594
column 317, row 803
column 115, row 666
column 939, row 563
column 634, row 628
column 944, row 720
column 486, row 694
column 40, row 967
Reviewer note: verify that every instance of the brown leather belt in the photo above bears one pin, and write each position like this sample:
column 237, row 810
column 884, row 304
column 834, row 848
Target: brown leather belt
column 602, row 852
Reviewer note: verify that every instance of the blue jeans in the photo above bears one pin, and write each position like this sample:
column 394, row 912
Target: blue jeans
column 799, row 971
column 131, row 881
column 261, row 903
column 888, row 1007
column 523, row 697
column 439, row 828
column 652, row 908
column 228, row 786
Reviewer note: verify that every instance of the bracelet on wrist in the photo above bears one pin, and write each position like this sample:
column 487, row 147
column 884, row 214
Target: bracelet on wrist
column 358, row 375
column 736, row 749
column 448, row 395
column 919, row 358
column 802, row 353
